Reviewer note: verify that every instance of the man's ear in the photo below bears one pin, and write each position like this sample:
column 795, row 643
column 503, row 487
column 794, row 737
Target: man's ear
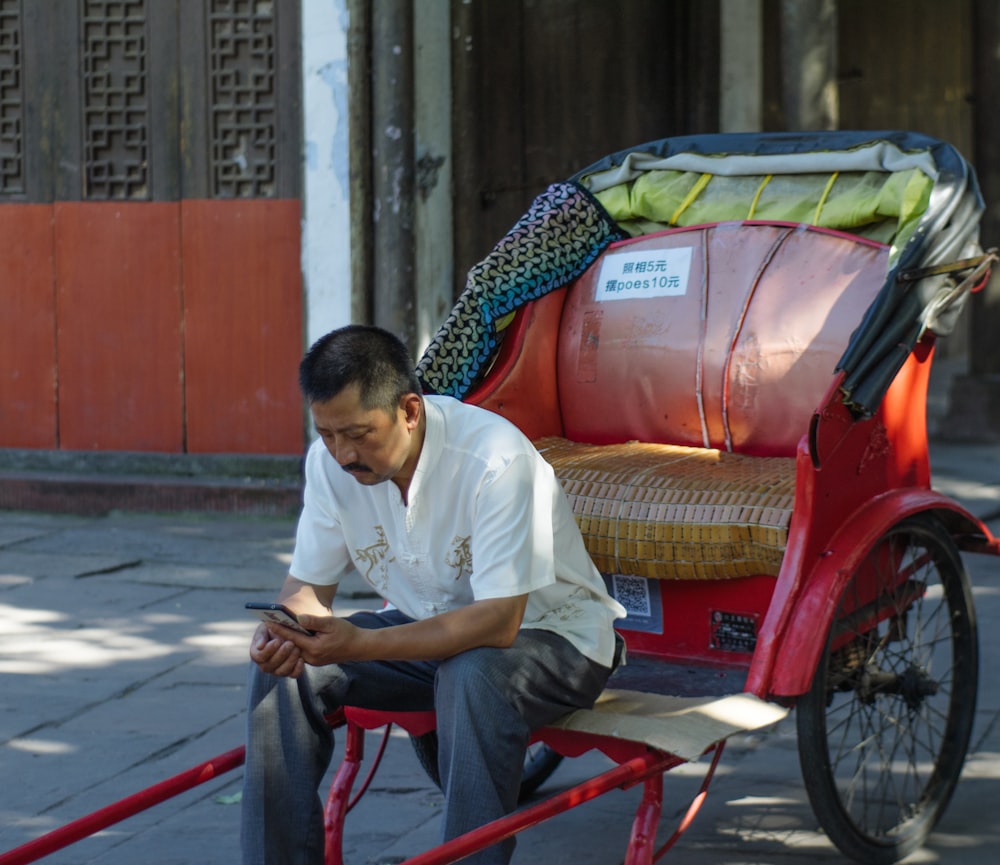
column 412, row 406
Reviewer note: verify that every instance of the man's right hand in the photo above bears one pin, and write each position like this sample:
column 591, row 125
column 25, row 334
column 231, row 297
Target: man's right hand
column 274, row 655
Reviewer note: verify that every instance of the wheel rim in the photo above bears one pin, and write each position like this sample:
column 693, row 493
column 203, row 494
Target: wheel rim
column 897, row 667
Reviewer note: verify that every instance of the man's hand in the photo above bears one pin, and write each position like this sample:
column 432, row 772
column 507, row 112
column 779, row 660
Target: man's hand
column 273, row 648
column 274, row 653
column 335, row 640
column 282, row 651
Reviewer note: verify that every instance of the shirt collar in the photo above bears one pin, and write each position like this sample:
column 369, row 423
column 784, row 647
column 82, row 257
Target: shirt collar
column 433, row 445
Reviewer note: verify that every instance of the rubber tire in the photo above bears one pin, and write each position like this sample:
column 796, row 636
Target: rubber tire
column 539, row 763
column 933, row 648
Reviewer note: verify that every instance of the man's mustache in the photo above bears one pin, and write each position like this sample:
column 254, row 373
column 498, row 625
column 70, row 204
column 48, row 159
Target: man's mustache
column 356, row 467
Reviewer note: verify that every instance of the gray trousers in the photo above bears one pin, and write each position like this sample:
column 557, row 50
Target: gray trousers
column 487, row 701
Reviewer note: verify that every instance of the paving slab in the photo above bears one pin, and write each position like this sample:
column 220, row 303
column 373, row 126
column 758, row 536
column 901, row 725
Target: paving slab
column 193, row 540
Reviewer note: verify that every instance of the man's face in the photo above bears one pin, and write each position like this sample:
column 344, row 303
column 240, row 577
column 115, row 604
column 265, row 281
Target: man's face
column 370, row 444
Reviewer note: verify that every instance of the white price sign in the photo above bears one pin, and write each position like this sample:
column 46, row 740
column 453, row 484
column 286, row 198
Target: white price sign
column 649, row 273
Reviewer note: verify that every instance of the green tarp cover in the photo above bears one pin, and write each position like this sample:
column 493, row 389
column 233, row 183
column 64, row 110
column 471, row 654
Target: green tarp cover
column 876, row 205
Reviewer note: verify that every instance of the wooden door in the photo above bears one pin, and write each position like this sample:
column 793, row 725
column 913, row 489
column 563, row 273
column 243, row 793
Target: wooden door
column 542, row 89
column 149, row 184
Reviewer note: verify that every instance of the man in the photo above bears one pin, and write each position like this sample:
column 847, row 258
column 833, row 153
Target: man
column 496, row 616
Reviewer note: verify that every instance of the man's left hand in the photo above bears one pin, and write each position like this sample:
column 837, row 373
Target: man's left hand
column 335, row 640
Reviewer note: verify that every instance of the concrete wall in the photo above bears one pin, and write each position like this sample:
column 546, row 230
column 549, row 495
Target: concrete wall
column 326, row 236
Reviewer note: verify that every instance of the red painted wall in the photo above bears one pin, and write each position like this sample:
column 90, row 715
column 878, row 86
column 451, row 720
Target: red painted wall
column 242, row 325
column 118, row 326
column 27, row 328
column 159, row 326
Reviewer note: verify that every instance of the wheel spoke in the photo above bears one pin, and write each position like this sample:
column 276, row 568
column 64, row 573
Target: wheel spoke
column 883, row 732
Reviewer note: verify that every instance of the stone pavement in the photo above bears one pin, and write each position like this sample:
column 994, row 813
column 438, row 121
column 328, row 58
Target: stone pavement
column 122, row 662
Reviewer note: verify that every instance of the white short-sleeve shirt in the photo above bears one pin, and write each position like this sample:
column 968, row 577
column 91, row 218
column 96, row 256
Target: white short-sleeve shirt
column 486, row 518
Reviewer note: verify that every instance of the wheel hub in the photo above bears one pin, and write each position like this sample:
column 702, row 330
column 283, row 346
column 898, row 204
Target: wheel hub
column 914, row 685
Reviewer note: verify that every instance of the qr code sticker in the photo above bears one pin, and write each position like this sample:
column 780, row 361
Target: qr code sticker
column 633, row 594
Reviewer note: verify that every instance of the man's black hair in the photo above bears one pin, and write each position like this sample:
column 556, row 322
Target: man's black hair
column 368, row 356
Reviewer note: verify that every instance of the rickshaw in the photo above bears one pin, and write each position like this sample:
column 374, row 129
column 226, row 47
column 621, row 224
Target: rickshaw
column 722, row 344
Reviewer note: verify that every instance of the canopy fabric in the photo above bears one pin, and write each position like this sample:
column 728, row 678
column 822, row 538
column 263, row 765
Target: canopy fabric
column 872, row 204
column 913, row 192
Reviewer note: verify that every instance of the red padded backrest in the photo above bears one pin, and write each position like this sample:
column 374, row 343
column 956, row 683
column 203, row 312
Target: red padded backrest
column 722, row 336
column 521, row 384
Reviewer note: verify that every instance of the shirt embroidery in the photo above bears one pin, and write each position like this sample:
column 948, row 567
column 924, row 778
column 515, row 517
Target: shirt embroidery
column 570, row 610
column 460, row 556
column 376, row 555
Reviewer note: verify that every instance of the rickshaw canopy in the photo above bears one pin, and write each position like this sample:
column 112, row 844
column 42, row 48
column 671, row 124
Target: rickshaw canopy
column 913, row 193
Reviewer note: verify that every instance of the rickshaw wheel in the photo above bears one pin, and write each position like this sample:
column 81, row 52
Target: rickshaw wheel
column 883, row 732
column 539, row 763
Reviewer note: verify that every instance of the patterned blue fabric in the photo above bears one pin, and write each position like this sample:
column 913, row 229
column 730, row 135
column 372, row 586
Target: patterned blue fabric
column 559, row 237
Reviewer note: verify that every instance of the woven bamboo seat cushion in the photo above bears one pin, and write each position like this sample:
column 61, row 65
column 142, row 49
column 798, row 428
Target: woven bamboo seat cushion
column 670, row 512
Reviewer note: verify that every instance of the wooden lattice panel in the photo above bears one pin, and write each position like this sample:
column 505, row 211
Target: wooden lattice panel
column 11, row 100
column 116, row 99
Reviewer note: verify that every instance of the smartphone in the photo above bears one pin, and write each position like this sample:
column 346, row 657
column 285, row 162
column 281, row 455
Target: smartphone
column 277, row 613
